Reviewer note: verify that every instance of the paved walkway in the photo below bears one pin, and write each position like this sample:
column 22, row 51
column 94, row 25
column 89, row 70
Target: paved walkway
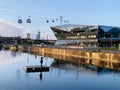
column 87, row 49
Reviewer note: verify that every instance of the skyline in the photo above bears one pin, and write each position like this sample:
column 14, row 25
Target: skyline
column 75, row 11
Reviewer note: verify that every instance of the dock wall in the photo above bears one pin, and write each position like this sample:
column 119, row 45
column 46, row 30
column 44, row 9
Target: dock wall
column 100, row 59
column 67, row 52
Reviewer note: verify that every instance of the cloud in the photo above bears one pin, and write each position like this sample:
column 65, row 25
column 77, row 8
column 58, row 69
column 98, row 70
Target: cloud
column 9, row 29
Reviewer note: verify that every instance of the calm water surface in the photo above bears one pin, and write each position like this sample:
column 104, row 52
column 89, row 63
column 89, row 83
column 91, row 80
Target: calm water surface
column 62, row 75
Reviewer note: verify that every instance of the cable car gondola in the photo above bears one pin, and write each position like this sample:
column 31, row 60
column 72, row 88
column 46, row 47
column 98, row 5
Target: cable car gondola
column 19, row 20
column 47, row 21
column 28, row 20
column 53, row 21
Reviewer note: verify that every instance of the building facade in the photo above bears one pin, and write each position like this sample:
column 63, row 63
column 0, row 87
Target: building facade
column 87, row 35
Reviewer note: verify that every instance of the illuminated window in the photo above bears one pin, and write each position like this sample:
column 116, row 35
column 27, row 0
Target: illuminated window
column 82, row 37
column 92, row 36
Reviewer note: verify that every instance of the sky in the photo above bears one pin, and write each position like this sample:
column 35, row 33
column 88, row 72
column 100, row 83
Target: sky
column 80, row 12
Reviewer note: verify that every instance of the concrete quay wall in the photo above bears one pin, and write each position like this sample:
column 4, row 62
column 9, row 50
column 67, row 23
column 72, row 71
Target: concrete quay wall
column 78, row 53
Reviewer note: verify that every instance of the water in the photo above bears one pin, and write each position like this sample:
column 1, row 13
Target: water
column 62, row 75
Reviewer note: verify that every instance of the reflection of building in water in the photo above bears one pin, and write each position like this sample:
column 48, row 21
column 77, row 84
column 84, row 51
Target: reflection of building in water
column 110, row 64
column 82, row 66
column 104, row 63
column 15, row 54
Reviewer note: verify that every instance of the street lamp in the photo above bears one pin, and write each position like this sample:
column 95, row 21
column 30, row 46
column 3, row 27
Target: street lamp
column 111, row 39
column 78, row 34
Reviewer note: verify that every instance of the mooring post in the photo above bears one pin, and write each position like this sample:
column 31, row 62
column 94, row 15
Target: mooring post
column 41, row 61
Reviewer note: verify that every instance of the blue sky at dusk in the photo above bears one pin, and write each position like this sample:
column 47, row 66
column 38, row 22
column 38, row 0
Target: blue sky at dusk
column 103, row 12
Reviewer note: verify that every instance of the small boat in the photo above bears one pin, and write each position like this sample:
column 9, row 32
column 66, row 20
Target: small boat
column 14, row 47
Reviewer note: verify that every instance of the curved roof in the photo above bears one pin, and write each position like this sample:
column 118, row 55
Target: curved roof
column 69, row 27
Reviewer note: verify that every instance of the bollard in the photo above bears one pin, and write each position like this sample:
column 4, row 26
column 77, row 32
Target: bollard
column 41, row 61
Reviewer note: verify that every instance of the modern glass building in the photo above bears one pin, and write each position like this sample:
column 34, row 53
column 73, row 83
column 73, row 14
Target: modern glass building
column 87, row 35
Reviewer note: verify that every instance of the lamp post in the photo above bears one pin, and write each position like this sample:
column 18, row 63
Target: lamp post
column 67, row 33
column 78, row 34
column 111, row 39
column 119, row 42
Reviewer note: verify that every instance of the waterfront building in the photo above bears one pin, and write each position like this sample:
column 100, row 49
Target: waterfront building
column 87, row 35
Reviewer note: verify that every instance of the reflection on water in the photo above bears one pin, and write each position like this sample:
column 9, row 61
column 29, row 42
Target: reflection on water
column 41, row 77
column 110, row 64
column 83, row 67
column 66, row 73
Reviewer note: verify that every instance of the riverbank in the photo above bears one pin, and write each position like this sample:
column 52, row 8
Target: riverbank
column 74, row 52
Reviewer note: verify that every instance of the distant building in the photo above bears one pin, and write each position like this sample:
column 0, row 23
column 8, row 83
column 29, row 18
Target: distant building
column 28, row 35
column 38, row 36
